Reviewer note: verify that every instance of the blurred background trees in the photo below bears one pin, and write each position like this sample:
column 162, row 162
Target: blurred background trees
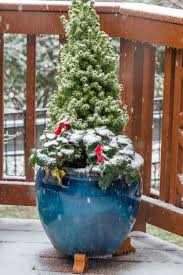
column 47, row 49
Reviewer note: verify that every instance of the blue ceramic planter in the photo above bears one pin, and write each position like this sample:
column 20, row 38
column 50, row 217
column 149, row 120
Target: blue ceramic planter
column 79, row 217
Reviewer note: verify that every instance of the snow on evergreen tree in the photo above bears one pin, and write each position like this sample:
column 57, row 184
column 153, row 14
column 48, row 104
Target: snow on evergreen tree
column 88, row 94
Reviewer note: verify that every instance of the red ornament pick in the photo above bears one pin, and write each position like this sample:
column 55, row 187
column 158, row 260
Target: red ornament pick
column 58, row 131
column 100, row 159
column 63, row 125
column 99, row 149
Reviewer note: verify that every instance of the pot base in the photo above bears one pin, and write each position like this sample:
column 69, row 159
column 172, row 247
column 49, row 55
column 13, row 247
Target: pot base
column 81, row 260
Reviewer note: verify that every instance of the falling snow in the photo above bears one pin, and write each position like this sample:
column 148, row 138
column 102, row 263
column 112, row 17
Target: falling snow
column 88, row 200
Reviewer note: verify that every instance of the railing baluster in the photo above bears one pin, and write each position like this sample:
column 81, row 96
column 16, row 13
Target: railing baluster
column 165, row 171
column 1, row 105
column 30, row 104
column 147, row 115
column 127, row 50
column 176, row 152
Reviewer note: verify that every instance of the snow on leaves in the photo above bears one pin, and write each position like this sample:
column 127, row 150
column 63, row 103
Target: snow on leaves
column 105, row 154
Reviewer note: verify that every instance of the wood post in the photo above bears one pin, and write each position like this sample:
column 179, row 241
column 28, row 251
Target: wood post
column 1, row 104
column 30, row 104
column 137, row 71
column 167, row 120
column 177, row 134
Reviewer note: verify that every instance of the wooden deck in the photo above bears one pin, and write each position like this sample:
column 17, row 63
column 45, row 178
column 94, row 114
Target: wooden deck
column 25, row 249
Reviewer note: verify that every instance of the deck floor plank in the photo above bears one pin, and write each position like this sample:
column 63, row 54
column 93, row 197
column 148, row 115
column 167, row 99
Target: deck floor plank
column 25, row 250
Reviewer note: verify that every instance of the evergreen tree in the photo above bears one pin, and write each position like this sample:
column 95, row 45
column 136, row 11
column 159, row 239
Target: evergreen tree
column 88, row 92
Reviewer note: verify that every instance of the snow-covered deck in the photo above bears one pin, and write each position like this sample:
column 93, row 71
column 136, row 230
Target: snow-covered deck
column 25, row 249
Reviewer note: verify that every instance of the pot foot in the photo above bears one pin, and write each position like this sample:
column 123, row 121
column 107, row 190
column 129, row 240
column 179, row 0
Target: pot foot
column 80, row 263
column 126, row 247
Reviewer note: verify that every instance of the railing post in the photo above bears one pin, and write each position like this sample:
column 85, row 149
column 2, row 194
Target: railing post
column 1, row 105
column 131, row 62
column 137, row 69
column 30, row 104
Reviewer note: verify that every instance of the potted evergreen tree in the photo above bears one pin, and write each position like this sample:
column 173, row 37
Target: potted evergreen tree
column 88, row 185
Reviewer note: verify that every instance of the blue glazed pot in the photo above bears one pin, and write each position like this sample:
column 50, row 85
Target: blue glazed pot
column 79, row 217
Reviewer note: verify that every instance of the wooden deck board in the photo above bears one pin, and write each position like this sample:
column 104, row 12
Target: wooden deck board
column 25, row 250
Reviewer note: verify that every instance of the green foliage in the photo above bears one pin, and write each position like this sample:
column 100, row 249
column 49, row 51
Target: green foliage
column 59, row 151
column 88, row 92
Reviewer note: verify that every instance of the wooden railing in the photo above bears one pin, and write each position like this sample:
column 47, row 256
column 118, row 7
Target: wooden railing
column 140, row 27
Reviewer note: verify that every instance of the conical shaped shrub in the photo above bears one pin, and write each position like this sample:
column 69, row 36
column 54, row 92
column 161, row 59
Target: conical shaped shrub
column 88, row 94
